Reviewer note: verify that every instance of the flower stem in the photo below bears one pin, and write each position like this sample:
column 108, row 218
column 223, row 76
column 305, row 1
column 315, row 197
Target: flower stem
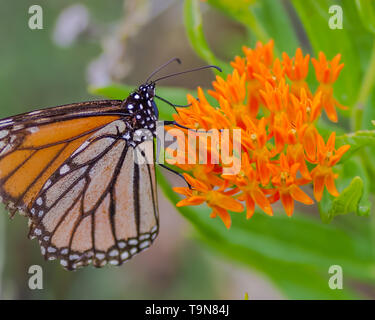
column 365, row 89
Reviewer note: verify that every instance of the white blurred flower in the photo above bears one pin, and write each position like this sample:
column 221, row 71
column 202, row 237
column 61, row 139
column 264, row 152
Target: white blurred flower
column 71, row 23
column 110, row 65
column 115, row 63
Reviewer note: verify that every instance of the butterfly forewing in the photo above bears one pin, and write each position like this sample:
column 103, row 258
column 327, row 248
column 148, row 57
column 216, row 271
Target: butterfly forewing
column 32, row 148
column 63, row 112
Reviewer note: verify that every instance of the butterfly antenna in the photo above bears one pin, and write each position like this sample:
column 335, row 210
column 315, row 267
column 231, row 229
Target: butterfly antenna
column 188, row 71
column 162, row 67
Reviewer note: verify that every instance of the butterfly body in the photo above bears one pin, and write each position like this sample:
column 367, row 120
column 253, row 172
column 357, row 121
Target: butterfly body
column 140, row 105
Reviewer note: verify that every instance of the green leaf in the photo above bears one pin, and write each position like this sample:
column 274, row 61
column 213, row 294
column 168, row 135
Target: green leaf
column 240, row 10
column 113, row 91
column 366, row 11
column 346, row 202
column 272, row 14
column 294, row 252
column 356, row 140
column 356, row 166
column 194, row 28
column 314, row 16
column 120, row 91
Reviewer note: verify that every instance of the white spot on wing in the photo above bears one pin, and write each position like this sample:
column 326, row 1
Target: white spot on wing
column 34, row 112
column 133, row 242
column 114, row 253
column 121, row 245
column 82, row 146
column 18, row 127
column 33, row 129
column 3, row 133
column 64, row 169
column 144, row 244
column 39, row 201
column 100, row 256
column 124, row 255
column 144, row 236
column 64, row 263
column 47, row 184
column 6, row 122
column 6, row 149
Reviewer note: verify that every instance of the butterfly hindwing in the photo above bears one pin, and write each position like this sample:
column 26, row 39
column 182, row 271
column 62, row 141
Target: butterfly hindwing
column 100, row 205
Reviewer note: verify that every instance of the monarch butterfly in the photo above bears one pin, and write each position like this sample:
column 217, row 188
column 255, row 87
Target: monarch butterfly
column 71, row 170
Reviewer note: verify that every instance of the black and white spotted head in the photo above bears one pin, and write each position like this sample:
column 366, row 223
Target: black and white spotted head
column 140, row 105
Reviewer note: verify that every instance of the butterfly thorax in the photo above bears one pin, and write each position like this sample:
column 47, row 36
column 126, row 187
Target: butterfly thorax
column 141, row 108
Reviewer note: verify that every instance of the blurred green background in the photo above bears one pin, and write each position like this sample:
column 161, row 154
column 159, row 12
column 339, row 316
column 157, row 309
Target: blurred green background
column 93, row 48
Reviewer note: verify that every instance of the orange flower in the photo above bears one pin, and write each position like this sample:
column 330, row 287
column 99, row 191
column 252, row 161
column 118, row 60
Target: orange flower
column 284, row 177
column 280, row 146
column 322, row 174
column 308, row 110
column 327, row 73
column 255, row 139
column 297, row 69
column 218, row 200
column 247, row 181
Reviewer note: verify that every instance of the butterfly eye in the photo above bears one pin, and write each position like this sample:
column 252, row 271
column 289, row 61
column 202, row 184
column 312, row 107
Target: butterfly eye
column 151, row 91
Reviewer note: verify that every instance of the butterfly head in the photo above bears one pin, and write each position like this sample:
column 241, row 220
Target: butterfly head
column 147, row 90
column 140, row 105
column 146, row 93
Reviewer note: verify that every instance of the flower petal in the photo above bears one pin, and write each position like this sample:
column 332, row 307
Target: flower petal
column 318, row 187
column 330, row 184
column 224, row 215
column 299, row 195
column 288, row 203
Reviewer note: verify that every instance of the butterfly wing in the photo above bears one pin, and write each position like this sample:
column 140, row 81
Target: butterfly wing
column 100, row 205
column 63, row 112
column 33, row 145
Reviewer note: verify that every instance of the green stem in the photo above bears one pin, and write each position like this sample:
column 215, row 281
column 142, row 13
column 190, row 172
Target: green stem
column 366, row 86
column 257, row 29
column 357, row 114
column 243, row 15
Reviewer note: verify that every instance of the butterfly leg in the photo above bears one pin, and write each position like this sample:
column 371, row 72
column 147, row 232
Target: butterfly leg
column 175, row 172
column 174, row 123
column 172, row 104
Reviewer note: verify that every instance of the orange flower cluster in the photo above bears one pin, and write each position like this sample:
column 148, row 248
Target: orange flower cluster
column 269, row 100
